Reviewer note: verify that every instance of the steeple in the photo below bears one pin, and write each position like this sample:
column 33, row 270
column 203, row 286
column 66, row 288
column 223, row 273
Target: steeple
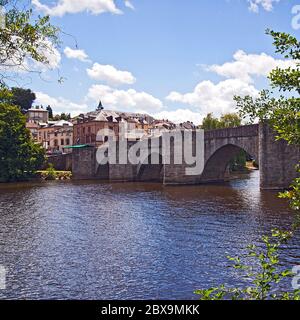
column 100, row 106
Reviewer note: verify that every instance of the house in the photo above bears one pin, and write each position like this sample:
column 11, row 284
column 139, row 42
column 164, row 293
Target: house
column 160, row 126
column 61, row 139
column 54, row 136
column 37, row 114
column 33, row 117
column 188, row 125
column 95, row 128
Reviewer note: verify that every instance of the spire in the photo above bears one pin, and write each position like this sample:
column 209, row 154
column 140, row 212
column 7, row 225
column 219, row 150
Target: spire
column 100, row 106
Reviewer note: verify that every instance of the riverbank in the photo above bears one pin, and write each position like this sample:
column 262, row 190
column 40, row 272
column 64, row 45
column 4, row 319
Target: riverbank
column 52, row 174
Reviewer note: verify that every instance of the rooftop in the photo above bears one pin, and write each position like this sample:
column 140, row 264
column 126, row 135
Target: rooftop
column 114, row 116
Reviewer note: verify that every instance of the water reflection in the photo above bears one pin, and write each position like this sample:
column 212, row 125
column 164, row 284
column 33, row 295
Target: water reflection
column 86, row 240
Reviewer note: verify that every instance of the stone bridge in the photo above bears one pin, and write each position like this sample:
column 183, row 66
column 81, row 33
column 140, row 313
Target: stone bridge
column 276, row 159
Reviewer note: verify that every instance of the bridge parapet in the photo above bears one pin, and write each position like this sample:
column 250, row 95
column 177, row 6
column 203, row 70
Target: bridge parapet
column 237, row 132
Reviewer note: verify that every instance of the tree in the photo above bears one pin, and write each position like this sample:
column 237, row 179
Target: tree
column 24, row 40
column 283, row 115
column 62, row 116
column 50, row 111
column 210, row 122
column 19, row 155
column 230, row 120
column 23, row 98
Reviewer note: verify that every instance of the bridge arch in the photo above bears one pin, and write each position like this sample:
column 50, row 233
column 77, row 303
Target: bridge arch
column 216, row 165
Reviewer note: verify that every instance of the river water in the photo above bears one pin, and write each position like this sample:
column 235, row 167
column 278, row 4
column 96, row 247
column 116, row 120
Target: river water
column 91, row 240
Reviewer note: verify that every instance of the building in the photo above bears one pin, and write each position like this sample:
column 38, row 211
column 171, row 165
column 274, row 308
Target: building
column 34, row 116
column 37, row 114
column 60, row 139
column 54, row 136
column 186, row 126
column 159, row 126
column 95, row 128
column 33, row 128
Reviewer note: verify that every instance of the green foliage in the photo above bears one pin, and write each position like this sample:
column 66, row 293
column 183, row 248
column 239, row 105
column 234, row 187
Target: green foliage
column 24, row 39
column 239, row 162
column 287, row 45
column 282, row 114
column 50, row 111
column 22, row 98
column 228, row 120
column 210, row 122
column 293, row 195
column 20, row 157
column 62, row 116
column 50, row 173
column 262, row 266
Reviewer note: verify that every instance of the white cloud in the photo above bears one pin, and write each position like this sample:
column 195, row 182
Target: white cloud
column 76, row 54
column 129, row 5
column 246, row 65
column 180, row 115
column 254, row 5
column 216, row 98
column 52, row 55
column 127, row 100
column 110, row 74
column 60, row 104
column 62, row 7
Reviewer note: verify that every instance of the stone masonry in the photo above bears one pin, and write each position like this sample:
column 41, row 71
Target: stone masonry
column 277, row 160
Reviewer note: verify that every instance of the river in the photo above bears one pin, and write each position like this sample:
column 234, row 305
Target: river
column 91, row 240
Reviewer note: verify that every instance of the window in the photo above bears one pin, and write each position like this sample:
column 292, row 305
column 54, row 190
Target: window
column 67, row 142
column 62, row 142
column 55, row 143
column 89, row 129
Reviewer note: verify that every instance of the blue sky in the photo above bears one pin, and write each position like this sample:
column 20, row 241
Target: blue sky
column 171, row 58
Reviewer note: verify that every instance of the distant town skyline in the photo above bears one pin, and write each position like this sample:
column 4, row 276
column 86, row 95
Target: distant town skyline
column 172, row 59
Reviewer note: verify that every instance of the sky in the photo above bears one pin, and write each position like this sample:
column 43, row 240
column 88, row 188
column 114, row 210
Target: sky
column 173, row 59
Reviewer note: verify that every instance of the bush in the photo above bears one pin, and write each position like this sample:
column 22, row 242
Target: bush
column 50, row 173
column 265, row 278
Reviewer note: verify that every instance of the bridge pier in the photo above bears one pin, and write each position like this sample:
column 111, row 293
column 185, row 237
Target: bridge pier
column 277, row 160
